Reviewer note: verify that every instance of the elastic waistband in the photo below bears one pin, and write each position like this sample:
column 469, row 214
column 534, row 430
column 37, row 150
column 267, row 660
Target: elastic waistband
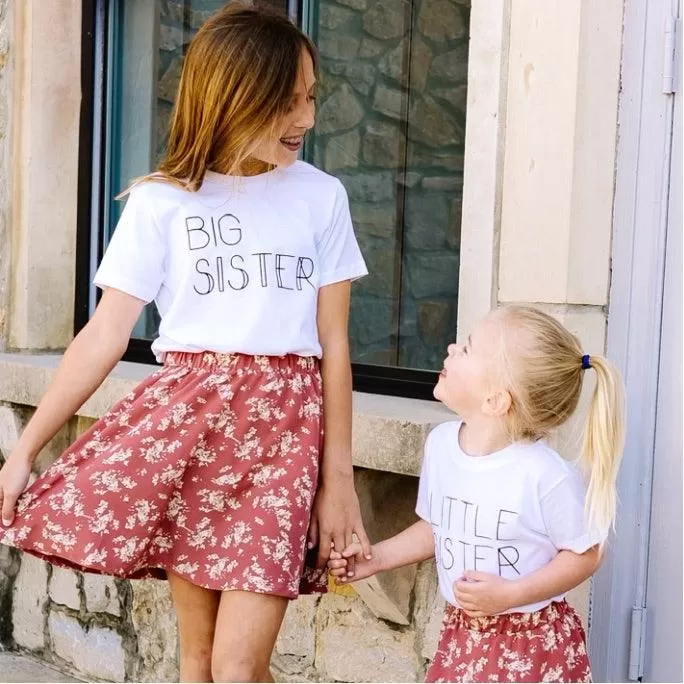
column 208, row 360
column 511, row 622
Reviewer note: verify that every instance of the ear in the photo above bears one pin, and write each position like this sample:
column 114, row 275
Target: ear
column 497, row 404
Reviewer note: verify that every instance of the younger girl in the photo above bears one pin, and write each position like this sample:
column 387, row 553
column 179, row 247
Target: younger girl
column 207, row 471
column 507, row 518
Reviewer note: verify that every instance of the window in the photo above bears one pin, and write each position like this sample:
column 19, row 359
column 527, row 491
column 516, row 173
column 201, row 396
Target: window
column 390, row 125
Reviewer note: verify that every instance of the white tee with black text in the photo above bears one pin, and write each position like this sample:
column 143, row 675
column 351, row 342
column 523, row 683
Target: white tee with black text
column 507, row 513
column 237, row 265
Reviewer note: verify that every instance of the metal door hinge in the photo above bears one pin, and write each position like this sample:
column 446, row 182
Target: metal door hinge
column 672, row 56
column 637, row 644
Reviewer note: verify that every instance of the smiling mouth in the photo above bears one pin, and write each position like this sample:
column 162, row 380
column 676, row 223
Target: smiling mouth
column 443, row 373
column 292, row 144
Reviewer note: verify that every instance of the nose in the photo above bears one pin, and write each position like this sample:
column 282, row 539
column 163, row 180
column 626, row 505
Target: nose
column 452, row 348
column 306, row 114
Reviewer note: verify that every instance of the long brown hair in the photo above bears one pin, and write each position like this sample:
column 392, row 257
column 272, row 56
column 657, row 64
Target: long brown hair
column 237, row 81
column 545, row 368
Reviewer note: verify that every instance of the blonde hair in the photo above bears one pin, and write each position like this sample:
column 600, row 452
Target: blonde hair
column 544, row 369
column 237, row 81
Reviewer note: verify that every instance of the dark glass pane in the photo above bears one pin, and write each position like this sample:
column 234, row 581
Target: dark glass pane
column 391, row 125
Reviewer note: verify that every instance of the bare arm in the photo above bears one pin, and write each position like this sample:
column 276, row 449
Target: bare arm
column 484, row 594
column 413, row 545
column 565, row 572
column 85, row 364
column 336, row 516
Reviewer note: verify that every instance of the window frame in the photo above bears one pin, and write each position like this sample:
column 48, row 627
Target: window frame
column 374, row 379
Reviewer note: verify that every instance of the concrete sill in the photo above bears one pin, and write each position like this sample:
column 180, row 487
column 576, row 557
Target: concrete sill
column 388, row 432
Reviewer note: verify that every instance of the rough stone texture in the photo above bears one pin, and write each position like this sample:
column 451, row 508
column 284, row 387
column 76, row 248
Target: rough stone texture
column 342, row 151
column 97, row 652
column 342, row 110
column 441, row 20
column 333, row 17
column 64, row 588
column 9, row 567
column 101, row 594
column 10, row 429
column 378, row 493
column 355, row 647
column 19, row 668
column 386, row 19
column 428, row 609
column 156, row 631
column 295, row 649
column 28, row 605
column 383, row 145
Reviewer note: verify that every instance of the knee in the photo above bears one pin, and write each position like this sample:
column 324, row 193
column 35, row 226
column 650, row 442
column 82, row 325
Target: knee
column 237, row 668
column 195, row 665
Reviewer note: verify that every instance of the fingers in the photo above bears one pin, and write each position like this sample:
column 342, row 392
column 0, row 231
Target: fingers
column 354, row 549
column 475, row 576
column 366, row 549
column 350, row 540
column 8, row 503
column 325, row 544
column 337, row 567
column 312, row 540
column 340, row 542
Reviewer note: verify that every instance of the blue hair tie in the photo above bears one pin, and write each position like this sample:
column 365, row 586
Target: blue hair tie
column 586, row 364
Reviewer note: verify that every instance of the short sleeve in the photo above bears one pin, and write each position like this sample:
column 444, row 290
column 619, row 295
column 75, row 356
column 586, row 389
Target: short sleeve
column 338, row 250
column 423, row 502
column 564, row 517
column 134, row 260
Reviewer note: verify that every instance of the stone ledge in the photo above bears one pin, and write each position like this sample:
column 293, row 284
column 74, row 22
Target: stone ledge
column 388, row 433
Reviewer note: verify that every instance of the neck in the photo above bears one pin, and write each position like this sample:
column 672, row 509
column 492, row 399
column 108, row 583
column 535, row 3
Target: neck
column 481, row 435
column 254, row 167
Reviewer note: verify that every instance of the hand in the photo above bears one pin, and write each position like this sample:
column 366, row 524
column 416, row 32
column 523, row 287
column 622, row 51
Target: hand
column 335, row 519
column 14, row 476
column 481, row 594
column 338, row 564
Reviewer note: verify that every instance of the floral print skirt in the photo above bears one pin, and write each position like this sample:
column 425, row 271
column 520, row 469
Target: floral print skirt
column 208, row 469
column 545, row 646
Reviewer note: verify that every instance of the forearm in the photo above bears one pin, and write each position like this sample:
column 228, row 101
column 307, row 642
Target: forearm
column 337, row 413
column 86, row 362
column 565, row 572
column 413, row 545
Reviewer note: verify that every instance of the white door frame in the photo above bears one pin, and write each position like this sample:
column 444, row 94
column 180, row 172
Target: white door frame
column 616, row 636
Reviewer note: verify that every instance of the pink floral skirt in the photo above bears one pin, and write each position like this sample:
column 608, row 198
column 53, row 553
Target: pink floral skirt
column 545, row 646
column 208, row 469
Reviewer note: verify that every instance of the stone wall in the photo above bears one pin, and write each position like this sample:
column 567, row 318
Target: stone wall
column 116, row 630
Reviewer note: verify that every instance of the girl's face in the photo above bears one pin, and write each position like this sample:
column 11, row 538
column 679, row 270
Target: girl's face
column 468, row 380
column 281, row 148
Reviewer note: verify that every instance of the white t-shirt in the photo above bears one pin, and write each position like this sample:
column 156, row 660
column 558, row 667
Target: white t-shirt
column 237, row 265
column 507, row 513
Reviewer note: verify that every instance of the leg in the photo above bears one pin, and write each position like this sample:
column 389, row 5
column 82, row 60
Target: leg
column 246, row 630
column 196, row 609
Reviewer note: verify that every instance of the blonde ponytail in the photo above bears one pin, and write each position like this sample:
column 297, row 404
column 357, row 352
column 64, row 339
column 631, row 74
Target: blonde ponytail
column 544, row 367
column 602, row 446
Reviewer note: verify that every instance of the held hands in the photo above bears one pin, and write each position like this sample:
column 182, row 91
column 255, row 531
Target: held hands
column 14, row 476
column 481, row 594
column 336, row 522
column 340, row 569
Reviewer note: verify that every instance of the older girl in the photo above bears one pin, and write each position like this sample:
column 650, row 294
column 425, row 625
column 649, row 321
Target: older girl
column 208, row 472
